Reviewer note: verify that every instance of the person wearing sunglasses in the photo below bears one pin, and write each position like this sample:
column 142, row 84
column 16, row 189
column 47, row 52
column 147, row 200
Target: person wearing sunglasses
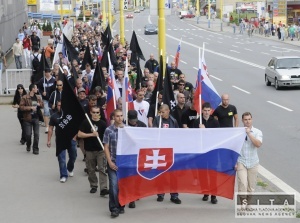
column 20, row 92
column 94, row 151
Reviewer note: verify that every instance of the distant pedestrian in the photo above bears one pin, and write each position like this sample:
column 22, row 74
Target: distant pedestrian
column 27, row 48
column 248, row 161
column 2, row 61
column 20, row 92
column 65, row 170
column 30, row 105
column 17, row 49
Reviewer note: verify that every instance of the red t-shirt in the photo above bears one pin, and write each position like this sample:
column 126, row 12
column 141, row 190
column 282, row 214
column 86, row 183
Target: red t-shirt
column 26, row 43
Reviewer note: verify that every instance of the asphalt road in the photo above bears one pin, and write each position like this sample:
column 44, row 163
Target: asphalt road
column 236, row 65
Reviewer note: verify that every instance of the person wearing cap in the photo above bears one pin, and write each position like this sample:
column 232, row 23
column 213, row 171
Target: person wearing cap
column 46, row 86
column 20, row 92
column 133, row 121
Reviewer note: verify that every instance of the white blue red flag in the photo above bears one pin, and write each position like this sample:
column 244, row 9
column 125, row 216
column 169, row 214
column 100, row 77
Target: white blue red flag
column 152, row 161
column 127, row 98
column 205, row 88
column 112, row 94
column 177, row 54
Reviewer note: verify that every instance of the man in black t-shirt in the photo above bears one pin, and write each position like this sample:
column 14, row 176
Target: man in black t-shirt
column 94, row 150
column 61, row 146
column 188, row 117
column 226, row 113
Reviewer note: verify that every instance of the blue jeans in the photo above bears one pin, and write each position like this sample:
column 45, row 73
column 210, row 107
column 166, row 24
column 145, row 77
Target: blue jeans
column 114, row 205
column 28, row 126
column 18, row 60
column 63, row 167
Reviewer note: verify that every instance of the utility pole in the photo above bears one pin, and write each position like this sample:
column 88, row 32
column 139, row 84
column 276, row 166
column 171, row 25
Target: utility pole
column 122, row 21
column 208, row 11
column 198, row 10
column 61, row 12
column 161, row 29
column 221, row 14
column 109, row 14
column 103, row 14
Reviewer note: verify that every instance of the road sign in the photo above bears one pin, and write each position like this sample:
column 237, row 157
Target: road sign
column 125, row 4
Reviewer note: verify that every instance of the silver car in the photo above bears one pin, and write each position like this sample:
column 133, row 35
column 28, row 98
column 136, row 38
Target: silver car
column 283, row 72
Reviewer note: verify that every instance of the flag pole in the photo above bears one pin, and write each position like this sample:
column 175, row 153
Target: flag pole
column 88, row 118
column 199, row 81
column 156, row 106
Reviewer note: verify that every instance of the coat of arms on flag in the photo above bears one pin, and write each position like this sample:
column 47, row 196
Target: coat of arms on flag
column 153, row 162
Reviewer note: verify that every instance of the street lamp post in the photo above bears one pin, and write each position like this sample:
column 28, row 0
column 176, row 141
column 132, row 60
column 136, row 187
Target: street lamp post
column 122, row 21
column 208, row 13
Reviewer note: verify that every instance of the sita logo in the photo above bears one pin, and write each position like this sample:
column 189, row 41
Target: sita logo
column 153, row 162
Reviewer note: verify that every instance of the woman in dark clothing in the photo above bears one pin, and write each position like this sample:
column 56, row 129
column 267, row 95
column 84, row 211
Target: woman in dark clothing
column 20, row 91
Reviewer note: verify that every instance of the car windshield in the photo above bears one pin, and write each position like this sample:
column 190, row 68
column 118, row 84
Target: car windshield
column 150, row 26
column 288, row 63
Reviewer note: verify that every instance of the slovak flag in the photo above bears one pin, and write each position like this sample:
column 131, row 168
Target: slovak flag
column 111, row 93
column 152, row 161
column 205, row 90
column 177, row 54
column 127, row 98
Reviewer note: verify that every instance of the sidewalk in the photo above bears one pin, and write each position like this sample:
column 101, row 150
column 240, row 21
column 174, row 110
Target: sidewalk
column 215, row 26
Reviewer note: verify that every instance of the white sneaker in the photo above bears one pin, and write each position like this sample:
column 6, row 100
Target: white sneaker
column 63, row 180
column 71, row 174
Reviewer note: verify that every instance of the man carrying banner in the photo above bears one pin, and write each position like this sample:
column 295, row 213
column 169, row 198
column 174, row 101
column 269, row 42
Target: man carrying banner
column 248, row 161
column 93, row 150
column 110, row 148
column 61, row 146
column 166, row 121
column 208, row 121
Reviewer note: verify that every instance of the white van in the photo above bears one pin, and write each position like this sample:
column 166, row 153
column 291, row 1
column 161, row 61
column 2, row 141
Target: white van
column 182, row 14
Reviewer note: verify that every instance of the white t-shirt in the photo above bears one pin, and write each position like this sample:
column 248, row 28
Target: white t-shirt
column 142, row 109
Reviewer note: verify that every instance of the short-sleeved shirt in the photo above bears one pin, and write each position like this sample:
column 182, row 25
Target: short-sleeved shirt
column 188, row 118
column 248, row 156
column 111, row 138
column 92, row 143
column 225, row 115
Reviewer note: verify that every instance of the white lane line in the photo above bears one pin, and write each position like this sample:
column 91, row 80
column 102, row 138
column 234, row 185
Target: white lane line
column 248, row 49
column 169, row 29
column 181, row 29
column 191, row 38
column 234, row 51
column 149, row 43
column 183, row 62
column 247, row 92
column 264, row 53
column 193, row 29
column 196, row 68
column 215, row 78
column 126, row 30
column 208, row 38
column 218, row 54
column 174, row 29
column 220, row 42
column 154, row 46
column 187, row 29
column 260, row 43
column 146, row 41
column 234, row 46
column 280, row 106
column 279, row 183
column 172, row 56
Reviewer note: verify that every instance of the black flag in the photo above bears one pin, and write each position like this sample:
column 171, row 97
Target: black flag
column 136, row 51
column 168, row 94
column 139, row 75
column 113, row 59
column 87, row 58
column 98, row 79
column 106, row 36
column 72, row 115
column 159, row 83
column 68, row 50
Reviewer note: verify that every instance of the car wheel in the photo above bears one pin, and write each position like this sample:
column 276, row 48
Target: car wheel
column 276, row 84
column 268, row 83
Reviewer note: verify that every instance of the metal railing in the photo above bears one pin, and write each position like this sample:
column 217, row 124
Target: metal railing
column 12, row 78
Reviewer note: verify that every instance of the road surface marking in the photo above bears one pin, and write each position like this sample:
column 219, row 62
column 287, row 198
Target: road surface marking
column 279, row 183
column 174, row 29
column 183, row 62
column 208, row 38
column 264, row 53
column 196, row 68
column 247, row 92
column 215, row 78
column 280, row 106
column 220, row 38
column 234, row 51
column 220, row 42
column 234, row 46
column 248, row 49
column 172, row 56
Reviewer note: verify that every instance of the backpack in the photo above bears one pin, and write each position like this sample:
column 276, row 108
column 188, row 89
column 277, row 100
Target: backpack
column 35, row 63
